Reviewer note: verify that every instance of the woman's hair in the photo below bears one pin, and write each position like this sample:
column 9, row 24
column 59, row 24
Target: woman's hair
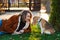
column 24, row 13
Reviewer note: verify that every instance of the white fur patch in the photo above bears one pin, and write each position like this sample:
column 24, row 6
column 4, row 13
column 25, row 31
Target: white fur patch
column 47, row 32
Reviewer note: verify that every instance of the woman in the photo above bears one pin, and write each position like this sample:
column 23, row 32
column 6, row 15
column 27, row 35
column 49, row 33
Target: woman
column 17, row 24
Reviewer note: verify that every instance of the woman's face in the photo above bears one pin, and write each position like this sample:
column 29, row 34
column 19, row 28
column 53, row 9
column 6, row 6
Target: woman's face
column 27, row 17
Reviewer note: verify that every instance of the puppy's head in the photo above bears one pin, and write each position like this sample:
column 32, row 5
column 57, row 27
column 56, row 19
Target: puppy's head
column 35, row 19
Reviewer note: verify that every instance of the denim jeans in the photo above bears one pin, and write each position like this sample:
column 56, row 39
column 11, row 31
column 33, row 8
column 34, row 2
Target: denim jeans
column 0, row 22
column 1, row 26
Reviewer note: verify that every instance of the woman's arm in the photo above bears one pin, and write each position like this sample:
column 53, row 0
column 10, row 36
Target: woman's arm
column 28, row 29
column 11, row 24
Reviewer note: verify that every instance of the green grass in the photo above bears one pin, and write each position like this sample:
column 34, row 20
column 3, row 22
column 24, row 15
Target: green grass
column 31, row 36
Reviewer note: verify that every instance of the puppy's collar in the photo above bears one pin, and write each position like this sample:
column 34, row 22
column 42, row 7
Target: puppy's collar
column 39, row 19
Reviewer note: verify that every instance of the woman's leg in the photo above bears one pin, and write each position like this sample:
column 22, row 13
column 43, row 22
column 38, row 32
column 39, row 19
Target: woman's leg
column 1, row 32
column 0, row 22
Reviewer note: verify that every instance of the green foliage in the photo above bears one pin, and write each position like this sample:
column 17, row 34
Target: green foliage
column 29, row 36
column 55, row 14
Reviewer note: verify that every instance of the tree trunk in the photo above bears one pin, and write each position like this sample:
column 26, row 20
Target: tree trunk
column 55, row 14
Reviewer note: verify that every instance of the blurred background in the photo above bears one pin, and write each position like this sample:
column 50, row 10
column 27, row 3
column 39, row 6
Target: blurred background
column 37, row 7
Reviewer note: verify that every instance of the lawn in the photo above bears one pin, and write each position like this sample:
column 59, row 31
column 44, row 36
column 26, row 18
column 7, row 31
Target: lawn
column 31, row 36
